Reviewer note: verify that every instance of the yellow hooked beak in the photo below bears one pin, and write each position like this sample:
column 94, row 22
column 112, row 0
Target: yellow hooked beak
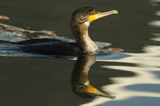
column 91, row 89
column 96, row 16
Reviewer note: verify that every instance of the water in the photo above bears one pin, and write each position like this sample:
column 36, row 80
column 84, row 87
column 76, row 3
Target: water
column 133, row 76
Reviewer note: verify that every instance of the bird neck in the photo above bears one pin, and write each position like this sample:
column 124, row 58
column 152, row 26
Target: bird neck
column 80, row 33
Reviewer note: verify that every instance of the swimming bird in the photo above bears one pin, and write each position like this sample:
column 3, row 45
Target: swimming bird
column 83, row 44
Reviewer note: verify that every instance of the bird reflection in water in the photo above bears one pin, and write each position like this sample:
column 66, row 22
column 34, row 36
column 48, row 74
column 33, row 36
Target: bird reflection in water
column 80, row 81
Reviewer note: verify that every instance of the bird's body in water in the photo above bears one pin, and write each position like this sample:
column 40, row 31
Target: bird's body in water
column 83, row 44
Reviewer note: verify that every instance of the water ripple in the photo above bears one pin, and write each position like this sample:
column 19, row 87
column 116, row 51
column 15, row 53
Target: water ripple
column 155, row 23
column 127, row 89
column 145, row 65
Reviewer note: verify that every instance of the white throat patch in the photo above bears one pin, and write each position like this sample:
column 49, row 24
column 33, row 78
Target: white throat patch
column 87, row 23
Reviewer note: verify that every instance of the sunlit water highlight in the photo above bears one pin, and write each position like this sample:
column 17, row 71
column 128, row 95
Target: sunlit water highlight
column 147, row 64
column 145, row 85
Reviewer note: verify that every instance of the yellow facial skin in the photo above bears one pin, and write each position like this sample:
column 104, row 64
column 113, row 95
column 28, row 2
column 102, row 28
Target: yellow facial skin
column 91, row 89
column 98, row 15
column 91, row 18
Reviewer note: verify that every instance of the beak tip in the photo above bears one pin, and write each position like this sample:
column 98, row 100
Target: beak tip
column 115, row 11
column 113, row 97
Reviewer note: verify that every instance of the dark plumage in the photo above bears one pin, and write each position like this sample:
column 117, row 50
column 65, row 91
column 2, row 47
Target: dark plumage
column 80, row 79
column 80, row 22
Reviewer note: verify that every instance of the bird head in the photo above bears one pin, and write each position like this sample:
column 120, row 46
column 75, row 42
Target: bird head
column 89, row 14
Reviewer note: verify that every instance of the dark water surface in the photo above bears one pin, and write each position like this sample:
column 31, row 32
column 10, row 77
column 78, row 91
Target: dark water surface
column 134, row 80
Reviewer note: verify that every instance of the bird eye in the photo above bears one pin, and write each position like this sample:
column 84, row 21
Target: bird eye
column 93, row 12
